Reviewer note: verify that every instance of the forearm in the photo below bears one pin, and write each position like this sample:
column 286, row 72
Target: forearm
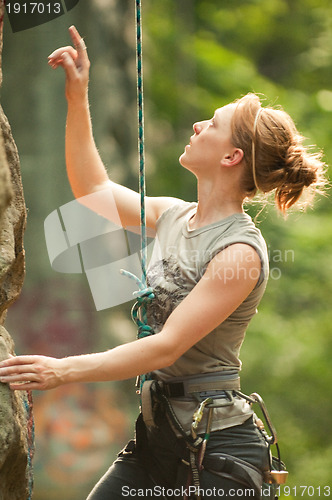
column 86, row 172
column 122, row 362
column 85, row 168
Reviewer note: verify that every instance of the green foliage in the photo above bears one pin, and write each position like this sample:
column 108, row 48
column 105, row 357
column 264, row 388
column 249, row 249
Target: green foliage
column 282, row 49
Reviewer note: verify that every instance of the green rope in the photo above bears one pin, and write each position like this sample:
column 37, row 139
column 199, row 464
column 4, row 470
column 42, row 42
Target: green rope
column 140, row 112
column 138, row 312
column 145, row 294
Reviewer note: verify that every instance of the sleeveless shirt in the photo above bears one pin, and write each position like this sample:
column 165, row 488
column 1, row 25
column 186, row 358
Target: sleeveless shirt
column 179, row 260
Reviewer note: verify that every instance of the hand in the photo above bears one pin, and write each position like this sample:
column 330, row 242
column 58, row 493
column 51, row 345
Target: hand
column 76, row 64
column 31, row 372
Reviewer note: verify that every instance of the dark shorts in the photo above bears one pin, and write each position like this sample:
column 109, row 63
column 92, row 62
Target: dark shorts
column 154, row 469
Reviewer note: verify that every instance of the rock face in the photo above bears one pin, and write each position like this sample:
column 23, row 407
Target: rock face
column 15, row 408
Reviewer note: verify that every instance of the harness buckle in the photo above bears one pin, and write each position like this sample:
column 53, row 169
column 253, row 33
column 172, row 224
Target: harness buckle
column 226, row 399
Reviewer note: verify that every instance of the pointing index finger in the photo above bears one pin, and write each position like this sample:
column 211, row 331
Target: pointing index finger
column 77, row 39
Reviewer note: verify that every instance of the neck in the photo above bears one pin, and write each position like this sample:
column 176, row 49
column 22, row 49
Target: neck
column 215, row 202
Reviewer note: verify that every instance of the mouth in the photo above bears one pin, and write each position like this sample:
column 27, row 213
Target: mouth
column 188, row 146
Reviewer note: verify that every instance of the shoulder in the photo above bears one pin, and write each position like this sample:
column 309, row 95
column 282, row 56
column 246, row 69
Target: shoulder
column 156, row 206
column 248, row 244
column 177, row 210
column 244, row 243
column 237, row 263
column 245, row 231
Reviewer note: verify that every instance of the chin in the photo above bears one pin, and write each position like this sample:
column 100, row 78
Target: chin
column 185, row 164
column 183, row 160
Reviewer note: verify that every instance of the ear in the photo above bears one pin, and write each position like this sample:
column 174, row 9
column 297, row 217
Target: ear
column 233, row 158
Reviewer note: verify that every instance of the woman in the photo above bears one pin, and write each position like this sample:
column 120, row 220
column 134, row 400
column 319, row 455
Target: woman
column 208, row 272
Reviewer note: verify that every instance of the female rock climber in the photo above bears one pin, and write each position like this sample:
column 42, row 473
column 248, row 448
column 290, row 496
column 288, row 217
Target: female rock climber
column 208, row 273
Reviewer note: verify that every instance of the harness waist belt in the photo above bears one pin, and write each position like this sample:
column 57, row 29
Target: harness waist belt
column 177, row 387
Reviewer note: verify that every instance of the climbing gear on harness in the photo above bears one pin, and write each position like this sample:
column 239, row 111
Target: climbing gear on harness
column 198, row 415
column 277, row 474
column 159, row 397
column 256, row 398
column 206, row 437
column 196, row 444
column 199, row 388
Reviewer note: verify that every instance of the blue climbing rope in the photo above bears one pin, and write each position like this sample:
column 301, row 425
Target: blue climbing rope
column 145, row 294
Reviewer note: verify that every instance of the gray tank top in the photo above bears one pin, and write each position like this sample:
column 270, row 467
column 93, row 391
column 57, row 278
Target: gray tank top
column 179, row 259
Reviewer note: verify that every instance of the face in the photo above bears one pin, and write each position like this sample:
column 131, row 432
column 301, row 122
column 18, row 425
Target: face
column 210, row 143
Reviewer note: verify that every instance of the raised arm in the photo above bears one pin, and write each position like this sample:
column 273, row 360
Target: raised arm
column 86, row 172
column 220, row 291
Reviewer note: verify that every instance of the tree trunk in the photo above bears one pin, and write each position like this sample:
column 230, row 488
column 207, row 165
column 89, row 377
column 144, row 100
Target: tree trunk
column 15, row 416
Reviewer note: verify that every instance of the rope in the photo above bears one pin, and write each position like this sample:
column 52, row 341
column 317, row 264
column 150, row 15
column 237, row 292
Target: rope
column 140, row 113
column 145, row 294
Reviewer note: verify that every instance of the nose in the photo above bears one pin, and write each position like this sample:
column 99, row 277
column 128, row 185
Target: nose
column 197, row 127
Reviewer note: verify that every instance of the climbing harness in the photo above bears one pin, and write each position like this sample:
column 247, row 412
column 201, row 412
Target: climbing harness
column 214, row 390
column 195, row 385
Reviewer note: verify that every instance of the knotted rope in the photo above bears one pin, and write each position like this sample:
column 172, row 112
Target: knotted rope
column 145, row 294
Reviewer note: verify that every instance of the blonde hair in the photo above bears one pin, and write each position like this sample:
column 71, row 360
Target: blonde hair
column 275, row 157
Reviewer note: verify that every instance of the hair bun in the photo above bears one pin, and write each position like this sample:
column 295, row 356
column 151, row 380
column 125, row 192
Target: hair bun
column 300, row 170
column 275, row 159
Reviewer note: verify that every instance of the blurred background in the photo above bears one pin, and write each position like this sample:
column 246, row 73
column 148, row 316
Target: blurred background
column 198, row 55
